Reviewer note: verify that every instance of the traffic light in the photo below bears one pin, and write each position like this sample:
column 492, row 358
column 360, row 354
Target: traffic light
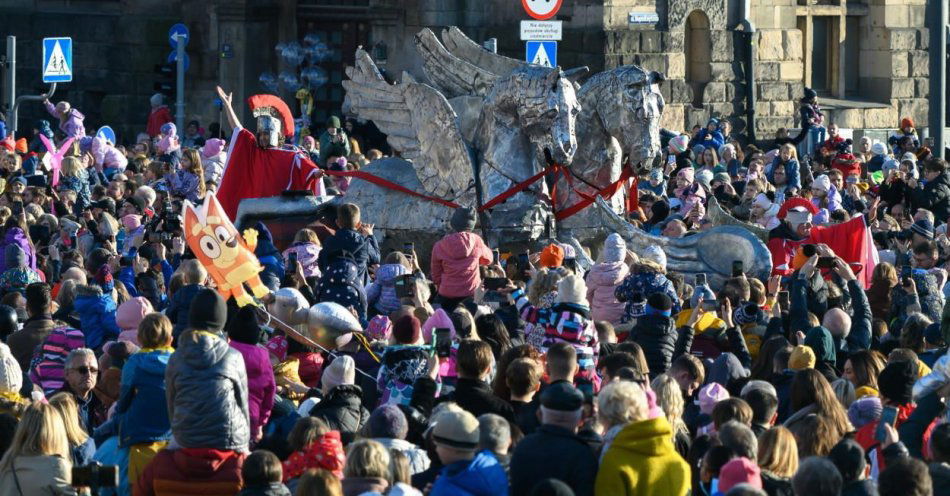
column 165, row 83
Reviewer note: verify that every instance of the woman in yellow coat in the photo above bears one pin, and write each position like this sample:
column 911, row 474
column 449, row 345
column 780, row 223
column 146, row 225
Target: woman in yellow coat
column 640, row 458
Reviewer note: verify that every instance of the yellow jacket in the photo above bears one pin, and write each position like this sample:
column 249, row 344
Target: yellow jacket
column 642, row 461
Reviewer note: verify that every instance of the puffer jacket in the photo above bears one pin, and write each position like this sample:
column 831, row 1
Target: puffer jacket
column 638, row 286
column 203, row 368
column 108, row 156
column 455, row 261
column 400, row 366
column 382, row 293
column 363, row 249
column 343, row 411
column 47, row 368
column 341, row 284
column 72, row 126
column 96, row 315
column 602, row 282
column 660, row 340
column 418, row 458
column 143, row 416
column 178, row 307
column 307, row 256
column 481, row 476
column 261, row 385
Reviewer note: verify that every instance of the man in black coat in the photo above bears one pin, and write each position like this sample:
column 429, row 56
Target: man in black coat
column 555, row 450
column 354, row 238
column 935, row 195
column 471, row 392
column 657, row 336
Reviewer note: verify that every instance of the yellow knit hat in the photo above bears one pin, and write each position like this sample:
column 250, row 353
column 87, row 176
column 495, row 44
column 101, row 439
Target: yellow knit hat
column 802, row 357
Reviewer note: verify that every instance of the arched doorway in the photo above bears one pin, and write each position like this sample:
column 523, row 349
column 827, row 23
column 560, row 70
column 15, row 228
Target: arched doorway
column 698, row 54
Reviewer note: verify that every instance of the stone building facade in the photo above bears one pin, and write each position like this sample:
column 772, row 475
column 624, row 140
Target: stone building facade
column 867, row 58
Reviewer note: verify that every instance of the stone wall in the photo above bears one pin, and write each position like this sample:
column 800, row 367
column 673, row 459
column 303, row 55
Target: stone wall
column 778, row 76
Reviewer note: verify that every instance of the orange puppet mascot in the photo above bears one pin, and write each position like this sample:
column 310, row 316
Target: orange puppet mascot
column 219, row 247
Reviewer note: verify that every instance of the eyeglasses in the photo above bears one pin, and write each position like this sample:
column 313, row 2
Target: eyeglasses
column 86, row 370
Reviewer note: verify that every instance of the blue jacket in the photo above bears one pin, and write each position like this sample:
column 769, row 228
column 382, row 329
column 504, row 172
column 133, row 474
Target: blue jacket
column 483, row 476
column 179, row 306
column 96, row 315
column 382, row 293
column 793, row 178
column 364, row 249
column 709, row 139
column 143, row 416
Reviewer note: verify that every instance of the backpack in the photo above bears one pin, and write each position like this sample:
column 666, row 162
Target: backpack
column 340, row 283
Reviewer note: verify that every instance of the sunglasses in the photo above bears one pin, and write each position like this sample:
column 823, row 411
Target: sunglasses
column 86, row 370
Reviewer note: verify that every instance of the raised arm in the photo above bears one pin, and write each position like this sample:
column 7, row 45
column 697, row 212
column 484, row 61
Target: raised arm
column 233, row 120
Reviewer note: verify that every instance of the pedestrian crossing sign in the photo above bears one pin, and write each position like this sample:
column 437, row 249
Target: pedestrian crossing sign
column 543, row 53
column 57, row 60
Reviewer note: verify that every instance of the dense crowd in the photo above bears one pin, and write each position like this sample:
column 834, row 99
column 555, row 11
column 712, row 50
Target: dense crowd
column 483, row 372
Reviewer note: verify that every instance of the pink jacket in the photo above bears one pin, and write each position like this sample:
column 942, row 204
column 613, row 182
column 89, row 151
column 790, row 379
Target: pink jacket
column 261, row 385
column 455, row 261
column 602, row 280
column 107, row 156
column 129, row 315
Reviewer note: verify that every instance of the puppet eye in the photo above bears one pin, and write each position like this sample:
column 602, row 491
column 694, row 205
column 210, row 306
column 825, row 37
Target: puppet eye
column 210, row 247
column 222, row 233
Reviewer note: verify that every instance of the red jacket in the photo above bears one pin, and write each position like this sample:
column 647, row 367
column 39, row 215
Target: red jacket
column 865, row 436
column 187, row 471
column 455, row 261
column 156, row 118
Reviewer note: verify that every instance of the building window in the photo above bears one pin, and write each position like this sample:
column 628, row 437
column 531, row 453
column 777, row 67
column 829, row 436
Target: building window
column 698, row 54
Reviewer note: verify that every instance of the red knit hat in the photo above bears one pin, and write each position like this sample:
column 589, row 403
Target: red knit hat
column 739, row 471
column 407, row 330
column 796, row 202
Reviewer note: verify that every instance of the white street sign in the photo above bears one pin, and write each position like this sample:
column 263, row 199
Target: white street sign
column 541, row 30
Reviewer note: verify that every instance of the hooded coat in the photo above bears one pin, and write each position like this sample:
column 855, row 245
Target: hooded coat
column 96, row 314
column 482, row 476
column 455, row 262
column 364, row 250
column 342, row 409
column 143, row 417
column 381, row 294
column 72, row 126
column 261, row 385
column 603, row 279
column 205, row 367
column 660, row 341
column 207, row 472
column 16, row 236
column 642, row 460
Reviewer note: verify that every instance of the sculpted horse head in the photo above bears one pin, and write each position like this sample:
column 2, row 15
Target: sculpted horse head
column 628, row 105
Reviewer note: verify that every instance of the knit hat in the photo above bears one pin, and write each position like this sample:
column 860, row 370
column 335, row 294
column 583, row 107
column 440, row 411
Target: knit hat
column 712, row 121
column 104, row 278
column 810, row 93
column 878, row 148
column 687, row 173
column 562, row 397
column 739, row 471
column 615, row 249
column 659, row 304
column 722, row 177
column 243, row 328
column 341, row 371
column 802, row 357
column 709, row 395
column 156, row 99
column 864, row 411
column 333, row 121
column 212, row 148
column 456, row 429
column 569, row 252
column 923, row 227
column 909, row 157
column 863, row 391
column 407, row 330
column 848, row 457
column 572, row 289
column 889, row 165
column 726, row 369
column 654, row 254
column 131, row 221
column 897, row 380
column 463, row 219
column 552, row 256
column 277, row 346
column 749, row 313
column 388, row 422
column 822, row 182
column 907, row 122
column 704, row 177
column 11, row 376
column 679, row 144
column 208, row 311
column 169, row 129
column 380, row 328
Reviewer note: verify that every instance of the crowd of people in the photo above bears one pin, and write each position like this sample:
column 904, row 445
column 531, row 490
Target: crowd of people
column 478, row 371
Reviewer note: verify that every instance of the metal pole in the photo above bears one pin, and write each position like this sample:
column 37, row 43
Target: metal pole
column 938, row 74
column 9, row 95
column 24, row 98
column 180, row 85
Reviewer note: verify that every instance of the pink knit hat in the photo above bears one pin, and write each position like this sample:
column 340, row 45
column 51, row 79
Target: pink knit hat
column 687, row 173
column 438, row 319
column 212, row 148
column 380, row 328
column 711, row 394
column 277, row 346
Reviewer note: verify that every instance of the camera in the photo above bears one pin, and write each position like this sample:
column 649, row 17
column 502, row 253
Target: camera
column 95, row 475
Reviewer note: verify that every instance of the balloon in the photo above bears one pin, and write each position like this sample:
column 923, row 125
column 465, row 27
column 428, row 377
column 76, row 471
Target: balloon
column 289, row 80
column 331, row 325
column 269, row 81
column 317, row 52
column 314, row 77
column 292, row 52
column 226, row 255
column 311, row 39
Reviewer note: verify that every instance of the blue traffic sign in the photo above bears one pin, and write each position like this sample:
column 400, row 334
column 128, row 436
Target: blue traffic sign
column 107, row 133
column 542, row 53
column 173, row 59
column 176, row 31
column 57, row 60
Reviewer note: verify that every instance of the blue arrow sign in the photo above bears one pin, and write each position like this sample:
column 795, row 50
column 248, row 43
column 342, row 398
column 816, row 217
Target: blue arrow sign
column 542, row 53
column 173, row 58
column 106, row 133
column 175, row 31
column 57, row 60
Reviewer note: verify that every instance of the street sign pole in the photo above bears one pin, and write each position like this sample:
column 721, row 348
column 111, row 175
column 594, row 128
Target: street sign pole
column 9, row 94
column 180, row 85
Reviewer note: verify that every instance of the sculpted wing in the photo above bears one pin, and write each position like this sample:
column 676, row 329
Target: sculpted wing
column 453, row 75
column 464, row 48
column 418, row 122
